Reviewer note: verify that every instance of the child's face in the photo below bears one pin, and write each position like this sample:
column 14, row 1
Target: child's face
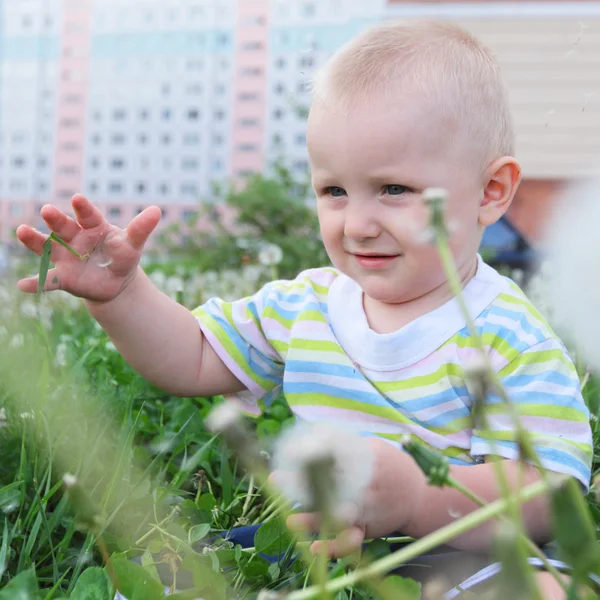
column 369, row 168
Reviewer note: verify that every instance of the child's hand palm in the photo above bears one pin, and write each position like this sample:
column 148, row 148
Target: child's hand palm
column 114, row 253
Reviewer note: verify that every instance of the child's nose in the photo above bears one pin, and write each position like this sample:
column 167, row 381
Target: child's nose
column 360, row 224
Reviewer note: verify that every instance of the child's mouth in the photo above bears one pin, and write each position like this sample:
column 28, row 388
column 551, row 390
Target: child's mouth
column 374, row 261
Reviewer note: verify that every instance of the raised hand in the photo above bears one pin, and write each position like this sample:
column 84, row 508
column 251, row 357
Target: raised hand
column 114, row 253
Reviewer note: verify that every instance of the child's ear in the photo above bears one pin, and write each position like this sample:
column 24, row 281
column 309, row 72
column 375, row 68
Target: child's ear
column 501, row 182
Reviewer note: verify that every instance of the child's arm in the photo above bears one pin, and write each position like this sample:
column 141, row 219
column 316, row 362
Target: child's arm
column 162, row 341
column 400, row 499
column 159, row 338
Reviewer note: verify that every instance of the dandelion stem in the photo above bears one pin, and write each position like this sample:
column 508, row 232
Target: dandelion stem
column 433, row 540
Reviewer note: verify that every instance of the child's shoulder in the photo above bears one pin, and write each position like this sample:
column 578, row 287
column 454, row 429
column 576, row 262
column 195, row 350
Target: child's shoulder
column 313, row 282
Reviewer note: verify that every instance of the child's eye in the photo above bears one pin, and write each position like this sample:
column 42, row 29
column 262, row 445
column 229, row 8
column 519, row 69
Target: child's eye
column 335, row 191
column 396, row 189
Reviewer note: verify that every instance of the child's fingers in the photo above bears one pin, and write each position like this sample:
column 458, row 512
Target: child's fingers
column 31, row 238
column 348, row 541
column 304, row 522
column 88, row 214
column 141, row 226
column 30, row 284
column 61, row 224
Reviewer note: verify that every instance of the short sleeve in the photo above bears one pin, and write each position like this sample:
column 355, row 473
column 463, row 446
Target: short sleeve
column 236, row 333
column 543, row 384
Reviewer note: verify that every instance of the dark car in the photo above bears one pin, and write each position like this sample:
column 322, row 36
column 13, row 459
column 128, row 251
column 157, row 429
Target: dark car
column 504, row 246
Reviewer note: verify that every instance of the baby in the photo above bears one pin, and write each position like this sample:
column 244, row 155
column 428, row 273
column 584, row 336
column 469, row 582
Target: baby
column 375, row 343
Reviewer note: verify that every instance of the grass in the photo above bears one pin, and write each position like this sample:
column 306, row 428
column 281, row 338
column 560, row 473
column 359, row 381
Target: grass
column 167, row 487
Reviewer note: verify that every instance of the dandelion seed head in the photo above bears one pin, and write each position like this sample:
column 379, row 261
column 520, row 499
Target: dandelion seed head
column 105, row 262
column 572, row 282
column 223, row 417
column 69, row 480
column 29, row 309
column 269, row 255
column 352, row 463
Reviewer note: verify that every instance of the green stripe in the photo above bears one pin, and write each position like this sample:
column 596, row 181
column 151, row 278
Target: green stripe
column 543, row 356
column 530, row 307
column 446, row 370
column 499, row 344
column 233, row 351
column 317, row 346
column 565, row 413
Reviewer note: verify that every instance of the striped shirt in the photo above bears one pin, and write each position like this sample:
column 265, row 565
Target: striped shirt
column 309, row 338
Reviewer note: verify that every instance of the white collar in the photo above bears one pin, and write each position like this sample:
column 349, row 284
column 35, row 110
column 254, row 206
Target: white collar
column 416, row 340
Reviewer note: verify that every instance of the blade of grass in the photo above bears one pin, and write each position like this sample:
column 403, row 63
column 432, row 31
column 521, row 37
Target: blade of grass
column 44, row 265
column 62, row 242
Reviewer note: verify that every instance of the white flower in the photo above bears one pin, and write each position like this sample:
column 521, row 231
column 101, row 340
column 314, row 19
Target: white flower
column 573, row 270
column 110, row 346
column 29, row 309
column 17, row 340
column 3, row 419
column 352, row 459
column 270, row 254
column 60, row 357
column 69, row 480
column 174, row 285
column 223, row 417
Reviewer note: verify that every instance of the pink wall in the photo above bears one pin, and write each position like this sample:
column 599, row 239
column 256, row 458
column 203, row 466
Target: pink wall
column 251, row 28
column 73, row 82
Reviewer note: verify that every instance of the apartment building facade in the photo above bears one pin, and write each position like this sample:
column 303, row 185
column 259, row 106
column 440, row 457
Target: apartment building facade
column 139, row 102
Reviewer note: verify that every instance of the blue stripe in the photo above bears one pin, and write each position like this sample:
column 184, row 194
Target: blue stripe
column 543, row 452
column 292, row 314
column 293, row 387
column 29, row 47
column 519, row 318
column 323, row 368
column 275, row 375
column 539, row 397
column 549, row 376
column 452, row 393
column 502, row 332
column 445, row 418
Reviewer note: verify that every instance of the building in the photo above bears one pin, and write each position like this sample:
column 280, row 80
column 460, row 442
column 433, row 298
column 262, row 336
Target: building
column 139, row 102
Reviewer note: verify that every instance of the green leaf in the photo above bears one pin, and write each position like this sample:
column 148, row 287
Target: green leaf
column 198, row 532
column 44, row 264
column 395, row 586
column 23, row 587
column 135, row 583
column 93, row 584
column 377, row 549
column 272, row 538
column 206, row 502
column 257, row 567
column 11, row 497
column 57, row 238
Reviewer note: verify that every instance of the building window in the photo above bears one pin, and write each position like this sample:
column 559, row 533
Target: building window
column 117, row 163
column 114, row 212
column 252, row 45
column 96, row 139
column 249, row 122
column 140, row 187
column 193, row 114
column 66, row 194
column 119, row 114
column 217, row 139
column 95, row 162
column 280, row 62
column 166, row 89
column 251, row 71
column 247, row 147
column 93, row 186
column 19, row 161
column 16, row 185
column 278, row 114
column 194, row 64
column 301, row 139
column 301, row 88
column 217, row 165
column 277, row 139
column 115, row 187
column 166, row 114
column 167, row 162
column 188, row 214
column 189, row 164
column 301, row 165
column 307, row 61
column 69, row 170
column 16, row 210
column 194, row 89
column 163, row 188
column 248, row 96
column 118, row 139
column 189, row 189
column 219, row 115
column 144, row 114
column 69, row 123
column 42, row 162
column 279, row 89
column 42, row 186
column 309, row 9
column 191, row 139
column 69, row 147
column 220, row 89
column 165, row 139
column 164, row 211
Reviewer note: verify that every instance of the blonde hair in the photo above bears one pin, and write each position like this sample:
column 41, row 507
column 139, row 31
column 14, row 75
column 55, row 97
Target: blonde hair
column 437, row 61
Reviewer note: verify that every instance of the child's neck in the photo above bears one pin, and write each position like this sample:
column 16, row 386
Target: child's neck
column 387, row 318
